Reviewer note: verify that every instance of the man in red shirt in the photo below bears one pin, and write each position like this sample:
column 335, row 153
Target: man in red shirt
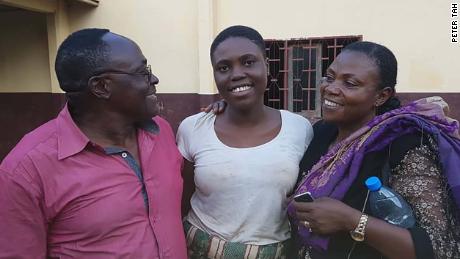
column 102, row 179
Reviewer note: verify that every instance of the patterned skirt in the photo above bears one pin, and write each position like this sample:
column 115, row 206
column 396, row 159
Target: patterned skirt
column 202, row 245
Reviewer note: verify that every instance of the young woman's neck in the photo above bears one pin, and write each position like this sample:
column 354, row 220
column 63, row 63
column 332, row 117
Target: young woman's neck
column 246, row 116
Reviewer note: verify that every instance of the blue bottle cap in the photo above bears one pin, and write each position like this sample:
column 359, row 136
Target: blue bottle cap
column 373, row 183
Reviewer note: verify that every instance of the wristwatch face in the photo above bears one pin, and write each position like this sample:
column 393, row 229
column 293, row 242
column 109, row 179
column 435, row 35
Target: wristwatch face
column 357, row 236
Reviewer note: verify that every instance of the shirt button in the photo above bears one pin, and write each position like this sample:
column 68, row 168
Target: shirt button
column 124, row 155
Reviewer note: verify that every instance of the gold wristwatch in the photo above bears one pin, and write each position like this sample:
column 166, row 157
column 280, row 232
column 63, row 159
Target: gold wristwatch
column 358, row 233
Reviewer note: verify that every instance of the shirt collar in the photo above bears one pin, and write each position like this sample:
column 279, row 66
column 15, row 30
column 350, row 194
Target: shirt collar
column 150, row 126
column 71, row 140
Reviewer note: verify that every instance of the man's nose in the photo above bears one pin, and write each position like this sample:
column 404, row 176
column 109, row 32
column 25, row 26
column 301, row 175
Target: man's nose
column 154, row 80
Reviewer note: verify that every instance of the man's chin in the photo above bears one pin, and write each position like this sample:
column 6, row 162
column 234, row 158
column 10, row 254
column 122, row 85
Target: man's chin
column 153, row 110
column 150, row 116
column 147, row 116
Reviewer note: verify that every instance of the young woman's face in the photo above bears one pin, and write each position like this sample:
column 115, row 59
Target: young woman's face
column 350, row 90
column 240, row 72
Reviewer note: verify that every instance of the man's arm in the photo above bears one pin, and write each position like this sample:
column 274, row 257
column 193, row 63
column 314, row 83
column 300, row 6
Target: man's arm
column 22, row 223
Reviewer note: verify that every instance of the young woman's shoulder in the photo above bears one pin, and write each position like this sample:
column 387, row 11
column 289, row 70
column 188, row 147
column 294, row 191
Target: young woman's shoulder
column 194, row 121
column 298, row 122
column 293, row 116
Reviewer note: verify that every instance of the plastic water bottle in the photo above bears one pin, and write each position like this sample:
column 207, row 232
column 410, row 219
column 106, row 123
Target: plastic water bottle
column 388, row 205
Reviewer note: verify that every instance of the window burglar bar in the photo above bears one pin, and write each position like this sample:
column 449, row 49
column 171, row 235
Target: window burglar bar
column 296, row 67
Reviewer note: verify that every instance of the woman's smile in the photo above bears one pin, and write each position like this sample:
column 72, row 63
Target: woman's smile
column 328, row 104
column 241, row 90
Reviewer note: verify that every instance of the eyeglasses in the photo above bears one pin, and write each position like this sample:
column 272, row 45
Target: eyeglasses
column 147, row 73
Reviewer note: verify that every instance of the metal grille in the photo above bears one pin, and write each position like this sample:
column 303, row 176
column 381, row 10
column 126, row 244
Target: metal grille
column 295, row 67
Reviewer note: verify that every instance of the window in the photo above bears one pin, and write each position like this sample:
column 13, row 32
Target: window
column 295, row 67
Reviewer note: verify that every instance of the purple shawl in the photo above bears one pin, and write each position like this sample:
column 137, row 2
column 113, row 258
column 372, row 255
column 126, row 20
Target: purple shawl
column 335, row 172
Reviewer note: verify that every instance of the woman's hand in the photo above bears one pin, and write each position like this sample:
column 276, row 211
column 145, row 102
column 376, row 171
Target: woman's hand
column 327, row 216
column 217, row 107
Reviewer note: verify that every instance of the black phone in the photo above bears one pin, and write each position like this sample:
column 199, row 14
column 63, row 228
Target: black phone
column 303, row 197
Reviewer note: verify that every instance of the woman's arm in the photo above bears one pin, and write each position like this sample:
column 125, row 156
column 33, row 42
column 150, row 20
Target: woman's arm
column 189, row 185
column 390, row 240
column 419, row 180
column 184, row 140
column 417, row 177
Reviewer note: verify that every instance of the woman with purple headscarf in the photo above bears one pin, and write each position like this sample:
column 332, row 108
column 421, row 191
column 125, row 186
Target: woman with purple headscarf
column 365, row 133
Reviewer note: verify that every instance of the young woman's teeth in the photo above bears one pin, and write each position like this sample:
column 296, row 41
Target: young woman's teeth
column 241, row 88
column 329, row 103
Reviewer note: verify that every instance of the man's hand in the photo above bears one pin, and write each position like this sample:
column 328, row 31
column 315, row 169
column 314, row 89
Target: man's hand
column 217, row 107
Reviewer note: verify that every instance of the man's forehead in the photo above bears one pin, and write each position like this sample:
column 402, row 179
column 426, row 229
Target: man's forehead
column 119, row 43
column 123, row 50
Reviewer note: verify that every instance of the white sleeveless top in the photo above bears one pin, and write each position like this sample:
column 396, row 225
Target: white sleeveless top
column 241, row 193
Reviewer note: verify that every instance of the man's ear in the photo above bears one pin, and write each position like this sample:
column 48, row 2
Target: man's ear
column 99, row 87
column 383, row 96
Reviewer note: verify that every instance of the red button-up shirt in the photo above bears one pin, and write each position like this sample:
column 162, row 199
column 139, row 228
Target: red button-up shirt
column 62, row 196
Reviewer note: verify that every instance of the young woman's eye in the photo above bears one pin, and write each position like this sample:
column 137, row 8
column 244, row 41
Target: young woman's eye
column 248, row 62
column 223, row 68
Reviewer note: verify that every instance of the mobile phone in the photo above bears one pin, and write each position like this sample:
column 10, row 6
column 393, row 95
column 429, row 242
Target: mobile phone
column 303, row 197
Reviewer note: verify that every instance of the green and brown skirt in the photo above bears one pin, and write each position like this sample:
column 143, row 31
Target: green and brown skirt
column 202, row 245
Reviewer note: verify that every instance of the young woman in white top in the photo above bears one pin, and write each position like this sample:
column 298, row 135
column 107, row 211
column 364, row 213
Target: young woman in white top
column 245, row 160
